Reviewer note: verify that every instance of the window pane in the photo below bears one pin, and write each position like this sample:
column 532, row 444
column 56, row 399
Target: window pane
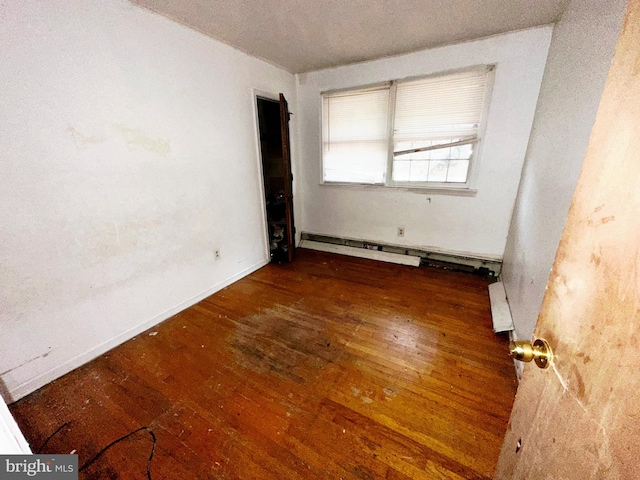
column 401, row 170
column 461, row 152
column 451, row 166
column 440, row 153
column 419, row 171
column 438, row 170
column 458, row 171
column 355, row 136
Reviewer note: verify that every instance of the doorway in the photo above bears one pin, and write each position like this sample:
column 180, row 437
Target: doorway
column 273, row 125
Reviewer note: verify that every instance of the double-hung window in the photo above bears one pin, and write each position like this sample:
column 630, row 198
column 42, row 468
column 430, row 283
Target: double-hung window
column 413, row 133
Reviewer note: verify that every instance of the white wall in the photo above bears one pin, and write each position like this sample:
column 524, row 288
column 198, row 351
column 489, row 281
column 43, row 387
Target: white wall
column 473, row 225
column 128, row 154
column 581, row 50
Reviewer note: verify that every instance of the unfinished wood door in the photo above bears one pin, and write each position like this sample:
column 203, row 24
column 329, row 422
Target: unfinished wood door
column 580, row 419
column 288, row 181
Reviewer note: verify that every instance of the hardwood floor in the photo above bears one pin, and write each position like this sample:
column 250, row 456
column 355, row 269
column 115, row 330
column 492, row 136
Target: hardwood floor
column 331, row 367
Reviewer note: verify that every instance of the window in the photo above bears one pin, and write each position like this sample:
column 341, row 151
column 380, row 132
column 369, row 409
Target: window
column 416, row 133
column 356, row 136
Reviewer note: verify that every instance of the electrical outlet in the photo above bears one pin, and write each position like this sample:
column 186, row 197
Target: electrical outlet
column 216, row 255
column 401, row 231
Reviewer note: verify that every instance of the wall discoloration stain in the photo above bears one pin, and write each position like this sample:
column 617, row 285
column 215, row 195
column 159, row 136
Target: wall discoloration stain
column 137, row 138
column 82, row 139
column 133, row 137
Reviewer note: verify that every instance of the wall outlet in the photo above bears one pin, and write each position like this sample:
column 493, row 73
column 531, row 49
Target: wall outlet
column 216, row 254
column 401, row 231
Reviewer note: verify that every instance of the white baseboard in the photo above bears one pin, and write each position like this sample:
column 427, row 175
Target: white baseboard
column 361, row 253
column 33, row 384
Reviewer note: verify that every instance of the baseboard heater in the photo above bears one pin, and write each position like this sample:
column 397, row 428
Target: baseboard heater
column 398, row 254
column 500, row 312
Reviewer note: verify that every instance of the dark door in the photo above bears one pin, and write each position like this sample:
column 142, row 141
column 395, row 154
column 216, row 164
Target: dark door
column 273, row 117
column 288, row 181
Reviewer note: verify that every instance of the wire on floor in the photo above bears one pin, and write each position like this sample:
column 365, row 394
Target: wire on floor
column 51, row 436
column 90, row 462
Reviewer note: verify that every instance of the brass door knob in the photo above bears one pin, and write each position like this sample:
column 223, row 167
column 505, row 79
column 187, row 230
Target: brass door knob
column 540, row 352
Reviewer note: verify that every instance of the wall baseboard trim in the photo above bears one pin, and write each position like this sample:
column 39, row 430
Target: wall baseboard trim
column 361, row 253
column 33, row 384
column 447, row 260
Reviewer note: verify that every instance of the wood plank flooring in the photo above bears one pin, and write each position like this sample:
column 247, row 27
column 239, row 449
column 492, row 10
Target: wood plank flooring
column 331, row 367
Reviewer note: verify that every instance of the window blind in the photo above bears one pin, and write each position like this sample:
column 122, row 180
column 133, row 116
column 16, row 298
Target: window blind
column 444, row 107
column 356, row 135
column 436, row 126
column 433, row 127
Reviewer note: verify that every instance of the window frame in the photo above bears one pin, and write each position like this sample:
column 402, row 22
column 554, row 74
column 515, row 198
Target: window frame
column 450, row 188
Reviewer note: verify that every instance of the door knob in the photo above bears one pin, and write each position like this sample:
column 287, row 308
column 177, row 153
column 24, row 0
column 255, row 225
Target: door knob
column 540, row 352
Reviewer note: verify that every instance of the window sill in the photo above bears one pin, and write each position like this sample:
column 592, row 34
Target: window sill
column 459, row 192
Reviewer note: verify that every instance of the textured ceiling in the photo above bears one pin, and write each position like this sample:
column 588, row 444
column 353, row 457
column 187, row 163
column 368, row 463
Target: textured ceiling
column 306, row 35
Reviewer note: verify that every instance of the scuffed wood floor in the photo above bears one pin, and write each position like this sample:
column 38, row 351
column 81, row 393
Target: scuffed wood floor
column 332, row 367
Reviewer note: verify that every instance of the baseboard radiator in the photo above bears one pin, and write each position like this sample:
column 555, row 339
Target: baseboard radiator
column 448, row 261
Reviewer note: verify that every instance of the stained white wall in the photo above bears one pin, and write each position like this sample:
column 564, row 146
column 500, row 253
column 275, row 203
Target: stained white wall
column 472, row 225
column 579, row 57
column 128, row 155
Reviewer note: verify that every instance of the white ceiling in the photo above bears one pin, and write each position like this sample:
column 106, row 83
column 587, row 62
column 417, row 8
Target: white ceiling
column 306, row 35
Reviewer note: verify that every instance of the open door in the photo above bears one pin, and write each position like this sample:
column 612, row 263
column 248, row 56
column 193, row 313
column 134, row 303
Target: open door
column 580, row 418
column 273, row 129
column 285, row 116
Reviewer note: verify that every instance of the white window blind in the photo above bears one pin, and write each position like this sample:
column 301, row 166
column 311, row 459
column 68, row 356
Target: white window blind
column 433, row 127
column 356, row 136
column 438, row 111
